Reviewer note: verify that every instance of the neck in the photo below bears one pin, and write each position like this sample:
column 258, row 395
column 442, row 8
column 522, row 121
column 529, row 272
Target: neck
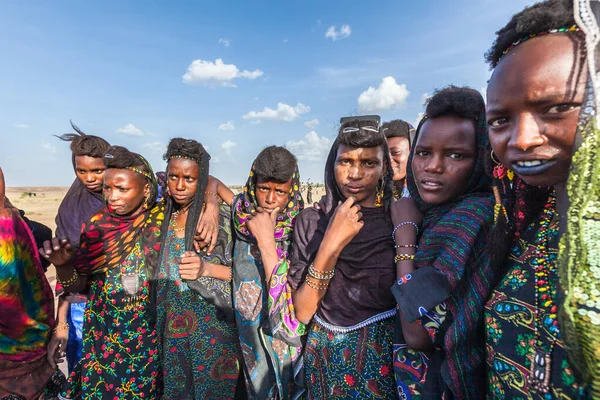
column 562, row 203
column 399, row 185
column 369, row 202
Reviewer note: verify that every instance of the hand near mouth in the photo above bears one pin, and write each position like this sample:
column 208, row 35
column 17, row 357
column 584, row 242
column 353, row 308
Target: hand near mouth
column 345, row 224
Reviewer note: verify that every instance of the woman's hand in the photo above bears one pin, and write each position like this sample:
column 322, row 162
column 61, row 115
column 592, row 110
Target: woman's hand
column 58, row 252
column 405, row 210
column 57, row 346
column 344, row 225
column 208, row 226
column 261, row 224
column 191, row 266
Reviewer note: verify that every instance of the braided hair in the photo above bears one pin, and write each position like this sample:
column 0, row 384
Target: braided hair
column 83, row 144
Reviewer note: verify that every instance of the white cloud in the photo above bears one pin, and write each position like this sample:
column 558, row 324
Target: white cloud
column 155, row 147
column 311, row 148
column 227, row 146
column 49, row 148
column 312, row 123
column 228, row 126
column 424, row 98
column 216, row 73
column 285, row 40
column 131, row 130
column 224, row 41
column 388, row 95
column 21, row 126
column 284, row 112
column 334, row 34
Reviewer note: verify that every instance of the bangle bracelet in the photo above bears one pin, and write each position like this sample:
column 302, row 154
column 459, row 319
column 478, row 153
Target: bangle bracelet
column 316, row 285
column 70, row 281
column 320, row 275
column 404, row 257
column 410, row 246
column 60, row 327
column 401, row 225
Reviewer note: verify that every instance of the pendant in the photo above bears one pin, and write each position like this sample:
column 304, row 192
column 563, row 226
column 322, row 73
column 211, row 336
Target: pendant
column 539, row 374
column 131, row 283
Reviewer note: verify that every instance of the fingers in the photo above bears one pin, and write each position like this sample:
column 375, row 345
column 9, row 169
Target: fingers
column 197, row 246
column 47, row 248
column 359, row 215
column 55, row 244
column 349, row 202
column 274, row 214
column 213, row 241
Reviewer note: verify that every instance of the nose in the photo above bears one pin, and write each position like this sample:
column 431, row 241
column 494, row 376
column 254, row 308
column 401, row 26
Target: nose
column 112, row 195
column 435, row 165
column 180, row 185
column 354, row 172
column 89, row 177
column 525, row 134
column 271, row 198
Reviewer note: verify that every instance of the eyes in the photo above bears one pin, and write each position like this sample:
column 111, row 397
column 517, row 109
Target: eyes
column 366, row 163
column 279, row 192
column 188, row 179
column 95, row 171
column 454, row 156
column 555, row 111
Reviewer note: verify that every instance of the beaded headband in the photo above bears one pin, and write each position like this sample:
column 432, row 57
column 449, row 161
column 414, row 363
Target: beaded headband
column 573, row 28
column 185, row 158
column 139, row 171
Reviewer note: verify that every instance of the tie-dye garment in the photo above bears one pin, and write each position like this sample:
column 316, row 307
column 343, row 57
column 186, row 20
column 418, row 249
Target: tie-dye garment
column 26, row 312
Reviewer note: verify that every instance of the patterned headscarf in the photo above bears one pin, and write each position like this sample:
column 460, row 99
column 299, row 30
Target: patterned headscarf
column 245, row 203
column 452, row 267
column 108, row 238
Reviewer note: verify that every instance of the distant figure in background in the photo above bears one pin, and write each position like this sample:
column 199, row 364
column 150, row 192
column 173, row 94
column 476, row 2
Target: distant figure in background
column 309, row 192
column 26, row 312
column 397, row 133
column 161, row 177
column 83, row 200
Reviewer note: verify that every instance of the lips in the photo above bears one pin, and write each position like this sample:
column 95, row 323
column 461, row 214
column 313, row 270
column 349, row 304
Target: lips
column 355, row 189
column 92, row 188
column 532, row 167
column 431, row 184
column 180, row 197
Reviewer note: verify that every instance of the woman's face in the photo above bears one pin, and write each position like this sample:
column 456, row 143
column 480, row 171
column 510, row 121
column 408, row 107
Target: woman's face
column 399, row 149
column 533, row 102
column 444, row 158
column 271, row 194
column 182, row 180
column 358, row 171
column 90, row 171
column 125, row 191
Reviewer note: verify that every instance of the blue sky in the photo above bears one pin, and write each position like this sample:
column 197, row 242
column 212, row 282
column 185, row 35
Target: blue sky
column 236, row 76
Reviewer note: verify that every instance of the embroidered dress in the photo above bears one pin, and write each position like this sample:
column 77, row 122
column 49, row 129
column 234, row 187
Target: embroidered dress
column 510, row 321
column 355, row 364
column 200, row 353
column 120, row 348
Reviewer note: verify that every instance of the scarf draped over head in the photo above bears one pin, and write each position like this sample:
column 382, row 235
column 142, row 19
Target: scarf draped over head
column 108, row 239
column 78, row 205
column 245, row 203
column 451, row 267
column 365, row 267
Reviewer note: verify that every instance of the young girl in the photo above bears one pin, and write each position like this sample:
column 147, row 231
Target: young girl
column 117, row 247
column 445, row 276
column 397, row 133
column 199, row 347
column 342, row 267
column 534, row 97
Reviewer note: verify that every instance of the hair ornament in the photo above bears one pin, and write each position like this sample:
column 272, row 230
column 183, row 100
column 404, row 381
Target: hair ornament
column 139, row 171
column 573, row 28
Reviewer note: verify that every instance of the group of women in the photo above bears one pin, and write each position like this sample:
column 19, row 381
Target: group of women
column 431, row 268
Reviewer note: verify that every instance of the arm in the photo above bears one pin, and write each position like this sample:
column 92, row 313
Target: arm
column 60, row 335
column 192, row 267
column 345, row 223
column 218, row 187
column 62, row 255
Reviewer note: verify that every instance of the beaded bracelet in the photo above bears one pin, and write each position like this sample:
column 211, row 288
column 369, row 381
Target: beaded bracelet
column 316, row 285
column 70, row 281
column 60, row 327
column 410, row 246
column 320, row 275
column 211, row 193
column 230, row 275
column 404, row 257
column 404, row 279
column 401, row 225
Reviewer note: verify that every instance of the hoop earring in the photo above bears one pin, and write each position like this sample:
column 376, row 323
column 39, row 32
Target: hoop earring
column 380, row 193
column 500, row 171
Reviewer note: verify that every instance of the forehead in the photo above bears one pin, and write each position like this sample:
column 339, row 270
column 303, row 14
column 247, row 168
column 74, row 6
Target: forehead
column 540, row 67
column 86, row 162
column 448, row 131
column 360, row 153
column 118, row 176
column 398, row 142
column 183, row 166
column 274, row 185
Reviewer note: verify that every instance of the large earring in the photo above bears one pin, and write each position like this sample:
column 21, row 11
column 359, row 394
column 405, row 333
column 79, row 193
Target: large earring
column 146, row 200
column 380, row 193
column 500, row 172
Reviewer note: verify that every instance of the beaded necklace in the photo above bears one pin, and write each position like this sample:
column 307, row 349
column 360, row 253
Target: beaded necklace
column 545, row 294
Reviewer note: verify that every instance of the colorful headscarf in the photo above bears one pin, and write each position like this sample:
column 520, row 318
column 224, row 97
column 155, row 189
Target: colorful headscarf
column 108, row 238
column 245, row 203
column 579, row 248
column 452, row 267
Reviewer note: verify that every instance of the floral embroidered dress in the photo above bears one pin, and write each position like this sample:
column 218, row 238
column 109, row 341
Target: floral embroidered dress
column 200, row 351
column 510, row 323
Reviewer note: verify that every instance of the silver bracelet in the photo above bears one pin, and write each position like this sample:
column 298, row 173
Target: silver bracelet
column 401, row 225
